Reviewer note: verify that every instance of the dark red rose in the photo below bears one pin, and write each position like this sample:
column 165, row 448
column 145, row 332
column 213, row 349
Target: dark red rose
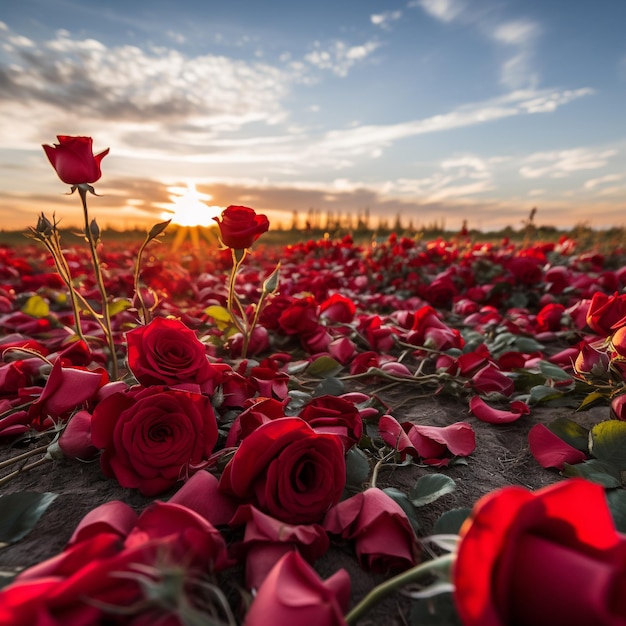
column 152, row 437
column 240, row 227
column 330, row 414
column 293, row 593
column 74, row 161
column 167, row 352
column 288, row 470
column 543, row 558
column 383, row 536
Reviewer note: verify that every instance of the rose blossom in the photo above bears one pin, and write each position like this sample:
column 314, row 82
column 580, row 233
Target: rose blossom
column 151, row 436
column 167, row 352
column 293, row 593
column 74, row 161
column 287, row 470
column 240, row 227
column 383, row 536
column 543, row 558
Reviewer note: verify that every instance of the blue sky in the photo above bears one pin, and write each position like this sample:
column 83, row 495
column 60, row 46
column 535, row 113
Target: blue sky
column 440, row 110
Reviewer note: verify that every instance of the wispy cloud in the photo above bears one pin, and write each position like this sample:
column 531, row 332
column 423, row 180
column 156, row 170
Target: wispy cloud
column 339, row 57
column 385, row 19
column 519, row 35
column 593, row 183
column 562, row 163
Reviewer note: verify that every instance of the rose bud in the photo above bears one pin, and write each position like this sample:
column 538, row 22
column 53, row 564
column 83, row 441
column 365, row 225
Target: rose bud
column 240, row 227
column 74, row 161
column 591, row 362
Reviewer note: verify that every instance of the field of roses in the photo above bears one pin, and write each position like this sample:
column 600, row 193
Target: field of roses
column 248, row 405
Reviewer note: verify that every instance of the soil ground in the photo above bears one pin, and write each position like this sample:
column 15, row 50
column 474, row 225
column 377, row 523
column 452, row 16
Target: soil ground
column 501, row 458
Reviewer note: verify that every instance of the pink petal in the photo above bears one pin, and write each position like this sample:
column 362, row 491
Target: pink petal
column 550, row 450
column 486, row 413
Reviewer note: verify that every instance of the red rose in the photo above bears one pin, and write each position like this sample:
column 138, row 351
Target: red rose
column 338, row 309
column 266, row 539
column 288, row 470
column 74, row 161
column 300, row 317
column 167, row 352
column 606, row 313
column 293, row 593
column 240, row 227
column 543, row 558
column 151, row 437
column 384, row 538
column 109, row 556
column 330, row 414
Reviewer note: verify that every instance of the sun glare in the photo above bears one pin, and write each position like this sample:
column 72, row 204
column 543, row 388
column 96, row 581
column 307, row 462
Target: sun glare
column 189, row 208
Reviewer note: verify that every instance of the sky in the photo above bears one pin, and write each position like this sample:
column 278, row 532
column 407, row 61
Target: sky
column 436, row 110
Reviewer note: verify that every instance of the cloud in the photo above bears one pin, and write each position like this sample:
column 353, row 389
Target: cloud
column 442, row 10
column 602, row 180
column 517, row 71
column 384, row 19
column 560, row 164
column 339, row 57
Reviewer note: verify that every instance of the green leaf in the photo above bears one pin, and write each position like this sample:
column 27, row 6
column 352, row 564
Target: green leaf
column 527, row 345
column 543, row 393
column 36, row 306
column 357, row 469
column 271, row 282
column 324, row 367
column 617, row 506
column 400, row 498
column 118, row 305
column 572, row 433
column 19, row 512
column 553, row 372
column 591, row 399
column 220, row 314
column 431, row 487
column 329, row 387
column 451, row 521
column 157, row 229
column 597, row 471
column 607, row 442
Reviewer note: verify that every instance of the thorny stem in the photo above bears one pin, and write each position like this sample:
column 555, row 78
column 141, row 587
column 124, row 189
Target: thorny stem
column 25, row 468
column 23, row 456
column 106, row 317
column 145, row 313
column 378, row 593
column 64, row 271
column 378, row 465
column 232, row 296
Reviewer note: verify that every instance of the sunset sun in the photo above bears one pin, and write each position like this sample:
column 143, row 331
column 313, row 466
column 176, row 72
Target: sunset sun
column 188, row 207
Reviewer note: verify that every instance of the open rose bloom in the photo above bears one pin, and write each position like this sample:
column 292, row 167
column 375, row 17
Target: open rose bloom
column 540, row 559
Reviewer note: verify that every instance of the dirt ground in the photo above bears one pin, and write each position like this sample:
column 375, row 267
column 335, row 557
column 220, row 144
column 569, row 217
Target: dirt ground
column 501, row 458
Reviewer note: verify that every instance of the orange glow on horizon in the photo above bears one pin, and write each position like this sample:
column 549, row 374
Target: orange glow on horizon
column 188, row 207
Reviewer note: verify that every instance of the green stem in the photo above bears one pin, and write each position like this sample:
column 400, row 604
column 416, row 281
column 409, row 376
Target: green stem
column 384, row 589
column 145, row 313
column 106, row 317
column 242, row 325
